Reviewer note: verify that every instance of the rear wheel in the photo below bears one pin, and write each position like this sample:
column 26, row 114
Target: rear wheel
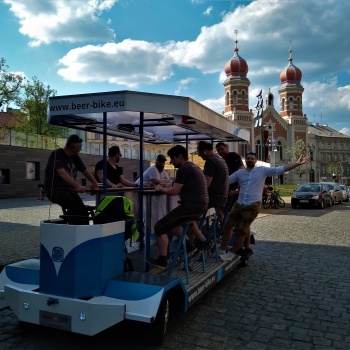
column 281, row 202
column 330, row 203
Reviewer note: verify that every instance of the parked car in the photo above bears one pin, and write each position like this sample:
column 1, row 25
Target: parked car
column 345, row 192
column 336, row 192
column 311, row 194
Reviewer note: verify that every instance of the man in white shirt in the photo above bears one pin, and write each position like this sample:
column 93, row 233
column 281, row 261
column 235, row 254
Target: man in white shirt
column 251, row 182
column 155, row 173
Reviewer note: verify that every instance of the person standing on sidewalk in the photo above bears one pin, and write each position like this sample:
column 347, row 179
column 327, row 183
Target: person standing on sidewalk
column 251, row 181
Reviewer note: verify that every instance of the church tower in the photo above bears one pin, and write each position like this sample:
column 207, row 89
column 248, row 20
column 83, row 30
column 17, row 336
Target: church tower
column 237, row 89
column 291, row 101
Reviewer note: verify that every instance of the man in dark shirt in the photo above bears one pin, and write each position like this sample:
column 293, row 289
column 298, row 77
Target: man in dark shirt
column 115, row 177
column 190, row 184
column 61, row 170
column 232, row 159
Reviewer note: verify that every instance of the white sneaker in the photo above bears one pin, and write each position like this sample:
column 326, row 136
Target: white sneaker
column 221, row 252
column 227, row 256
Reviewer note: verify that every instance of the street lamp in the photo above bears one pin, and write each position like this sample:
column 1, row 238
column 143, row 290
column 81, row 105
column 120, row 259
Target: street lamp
column 270, row 127
column 311, row 149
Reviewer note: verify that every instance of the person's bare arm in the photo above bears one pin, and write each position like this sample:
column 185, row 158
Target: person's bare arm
column 126, row 182
column 302, row 160
column 209, row 180
column 170, row 191
column 92, row 180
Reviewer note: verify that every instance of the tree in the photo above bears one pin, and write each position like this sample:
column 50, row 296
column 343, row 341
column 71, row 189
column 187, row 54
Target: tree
column 295, row 152
column 34, row 110
column 11, row 84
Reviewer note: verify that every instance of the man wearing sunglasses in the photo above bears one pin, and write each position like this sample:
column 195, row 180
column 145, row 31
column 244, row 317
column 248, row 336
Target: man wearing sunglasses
column 251, row 182
column 115, row 177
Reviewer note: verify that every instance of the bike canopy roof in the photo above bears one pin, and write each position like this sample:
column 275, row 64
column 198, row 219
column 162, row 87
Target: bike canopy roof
column 154, row 118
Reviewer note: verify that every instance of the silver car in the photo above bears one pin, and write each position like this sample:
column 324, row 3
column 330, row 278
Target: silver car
column 336, row 192
column 345, row 192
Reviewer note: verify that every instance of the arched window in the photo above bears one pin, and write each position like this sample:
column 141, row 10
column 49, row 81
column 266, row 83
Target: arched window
column 227, row 99
column 243, row 97
column 299, row 104
column 234, row 98
column 291, row 103
column 283, row 104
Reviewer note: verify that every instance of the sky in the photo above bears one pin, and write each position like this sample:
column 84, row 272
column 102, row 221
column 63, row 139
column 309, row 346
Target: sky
column 180, row 47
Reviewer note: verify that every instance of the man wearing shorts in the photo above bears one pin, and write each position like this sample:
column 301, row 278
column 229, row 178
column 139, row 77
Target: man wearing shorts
column 251, row 182
column 191, row 186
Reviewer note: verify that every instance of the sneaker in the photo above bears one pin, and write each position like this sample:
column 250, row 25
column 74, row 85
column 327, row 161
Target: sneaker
column 158, row 262
column 203, row 245
column 240, row 251
column 221, row 252
column 227, row 256
column 247, row 253
column 190, row 248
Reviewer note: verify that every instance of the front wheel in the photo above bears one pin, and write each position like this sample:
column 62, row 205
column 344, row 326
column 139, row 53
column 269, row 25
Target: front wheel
column 159, row 326
column 267, row 203
column 321, row 205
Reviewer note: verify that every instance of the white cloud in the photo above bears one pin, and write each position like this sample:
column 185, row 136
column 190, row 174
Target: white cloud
column 264, row 32
column 345, row 131
column 117, row 63
column 71, row 21
column 207, row 11
column 216, row 104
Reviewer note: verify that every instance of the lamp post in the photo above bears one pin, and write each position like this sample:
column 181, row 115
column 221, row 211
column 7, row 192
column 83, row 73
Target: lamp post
column 270, row 127
column 259, row 122
column 311, row 149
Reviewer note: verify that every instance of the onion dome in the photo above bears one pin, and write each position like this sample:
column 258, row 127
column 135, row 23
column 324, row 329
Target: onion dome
column 291, row 75
column 236, row 67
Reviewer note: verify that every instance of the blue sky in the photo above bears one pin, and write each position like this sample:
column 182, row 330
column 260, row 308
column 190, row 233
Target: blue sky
column 181, row 47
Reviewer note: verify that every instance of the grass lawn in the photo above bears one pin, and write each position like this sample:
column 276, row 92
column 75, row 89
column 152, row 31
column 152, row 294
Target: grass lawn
column 286, row 190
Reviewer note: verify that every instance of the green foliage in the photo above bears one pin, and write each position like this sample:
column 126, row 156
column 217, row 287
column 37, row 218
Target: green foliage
column 295, row 151
column 34, row 110
column 11, row 84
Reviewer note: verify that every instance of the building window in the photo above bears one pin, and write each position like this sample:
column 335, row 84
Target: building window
column 227, row 99
column 283, row 104
column 291, row 103
column 299, row 103
column 243, row 97
column 4, row 176
column 234, row 98
column 98, row 136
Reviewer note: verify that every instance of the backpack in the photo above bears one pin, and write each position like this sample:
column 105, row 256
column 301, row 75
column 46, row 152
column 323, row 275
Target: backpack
column 117, row 208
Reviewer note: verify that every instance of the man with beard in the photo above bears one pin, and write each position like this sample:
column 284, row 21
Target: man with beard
column 155, row 173
column 251, row 182
column 115, row 177
column 191, row 186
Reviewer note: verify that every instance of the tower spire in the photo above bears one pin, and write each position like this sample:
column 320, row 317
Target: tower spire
column 290, row 59
column 236, row 49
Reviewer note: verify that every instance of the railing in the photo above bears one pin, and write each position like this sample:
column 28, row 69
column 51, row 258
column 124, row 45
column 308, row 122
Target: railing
column 18, row 139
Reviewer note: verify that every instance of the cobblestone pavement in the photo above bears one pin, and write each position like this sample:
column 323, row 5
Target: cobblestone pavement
column 294, row 293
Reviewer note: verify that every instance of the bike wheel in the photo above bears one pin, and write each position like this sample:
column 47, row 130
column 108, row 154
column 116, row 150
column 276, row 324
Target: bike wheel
column 267, row 203
column 281, row 202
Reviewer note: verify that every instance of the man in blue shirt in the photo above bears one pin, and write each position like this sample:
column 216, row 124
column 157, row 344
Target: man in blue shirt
column 251, row 182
